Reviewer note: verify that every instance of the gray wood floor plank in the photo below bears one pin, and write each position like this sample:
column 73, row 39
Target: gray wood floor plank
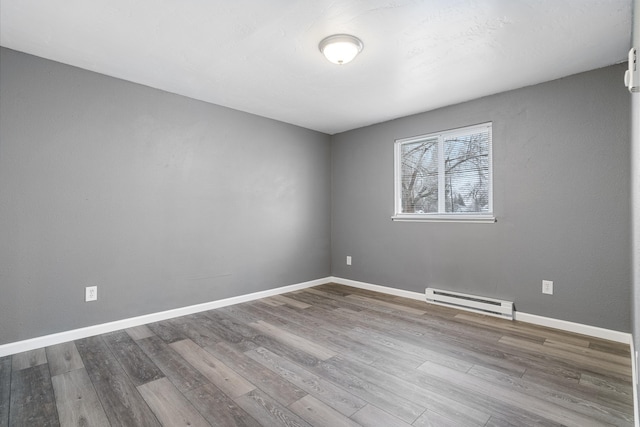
column 512, row 397
column 139, row 332
column 286, row 345
column 609, row 399
column 293, row 340
column 119, row 397
column 77, row 401
column 595, row 365
column 430, row 397
column 291, row 353
column 169, row 405
column 441, row 331
column 515, row 327
column 560, row 378
column 317, row 413
column 5, row 390
column 167, row 331
column 474, row 406
column 184, row 376
column 32, row 399
column 580, row 392
column 334, row 396
column 365, row 303
column 562, row 398
column 563, row 372
column 28, row 359
column 311, row 318
column 240, row 313
column 63, row 358
column 497, row 422
column 229, row 324
column 291, row 302
column 350, row 290
column 272, row 302
column 618, row 348
column 589, row 352
column 483, row 356
column 434, row 419
column 371, row 416
column 320, row 331
column 402, row 348
column 326, row 302
column 231, row 330
column 391, row 305
column 427, row 326
column 263, row 313
column 240, row 316
column 396, row 405
column 133, row 360
column 268, row 412
column 402, row 330
column 619, row 391
column 388, row 349
column 265, row 379
column 196, row 328
column 217, row 408
column 223, row 377
column 335, row 290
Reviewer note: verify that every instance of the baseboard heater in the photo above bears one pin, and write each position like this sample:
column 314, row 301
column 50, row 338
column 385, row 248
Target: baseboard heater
column 490, row 306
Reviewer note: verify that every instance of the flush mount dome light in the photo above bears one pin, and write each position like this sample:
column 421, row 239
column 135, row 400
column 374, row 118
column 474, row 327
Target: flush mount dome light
column 340, row 48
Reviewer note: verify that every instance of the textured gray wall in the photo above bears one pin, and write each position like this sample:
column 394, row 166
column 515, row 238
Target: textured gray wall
column 561, row 197
column 160, row 200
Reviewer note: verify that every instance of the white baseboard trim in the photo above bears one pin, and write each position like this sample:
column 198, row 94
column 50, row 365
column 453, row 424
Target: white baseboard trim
column 578, row 328
column 58, row 338
column 379, row 288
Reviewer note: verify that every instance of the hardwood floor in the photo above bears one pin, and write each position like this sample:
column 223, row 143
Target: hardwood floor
column 326, row 356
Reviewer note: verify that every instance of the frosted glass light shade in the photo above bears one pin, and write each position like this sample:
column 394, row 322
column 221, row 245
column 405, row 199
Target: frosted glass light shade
column 341, row 48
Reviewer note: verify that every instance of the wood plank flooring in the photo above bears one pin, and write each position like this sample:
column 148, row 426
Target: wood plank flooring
column 325, row 356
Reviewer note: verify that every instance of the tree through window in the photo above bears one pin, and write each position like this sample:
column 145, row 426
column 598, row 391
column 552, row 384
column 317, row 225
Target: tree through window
column 445, row 175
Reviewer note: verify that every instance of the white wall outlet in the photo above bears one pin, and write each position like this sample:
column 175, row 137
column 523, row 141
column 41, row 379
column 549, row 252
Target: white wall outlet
column 348, row 260
column 547, row 287
column 90, row 293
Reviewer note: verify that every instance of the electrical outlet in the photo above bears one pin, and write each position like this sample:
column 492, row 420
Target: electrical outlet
column 91, row 293
column 348, row 260
column 547, row 287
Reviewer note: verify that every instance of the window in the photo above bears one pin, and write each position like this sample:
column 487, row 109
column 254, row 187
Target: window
column 445, row 176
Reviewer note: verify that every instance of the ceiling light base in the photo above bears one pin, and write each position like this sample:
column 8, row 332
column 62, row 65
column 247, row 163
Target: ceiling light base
column 341, row 48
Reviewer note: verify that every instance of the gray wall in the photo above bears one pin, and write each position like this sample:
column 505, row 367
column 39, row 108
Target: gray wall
column 561, row 197
column 160, row 200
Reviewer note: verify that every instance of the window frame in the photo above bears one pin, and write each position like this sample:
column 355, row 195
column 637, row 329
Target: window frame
column 485, row 217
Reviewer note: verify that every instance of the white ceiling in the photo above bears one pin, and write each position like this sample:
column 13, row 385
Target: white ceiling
column 262, row 56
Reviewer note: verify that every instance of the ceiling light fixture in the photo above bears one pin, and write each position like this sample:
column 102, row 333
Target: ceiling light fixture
column 341, row 48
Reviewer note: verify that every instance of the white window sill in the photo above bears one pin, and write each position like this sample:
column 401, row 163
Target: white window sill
column 479, row 219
